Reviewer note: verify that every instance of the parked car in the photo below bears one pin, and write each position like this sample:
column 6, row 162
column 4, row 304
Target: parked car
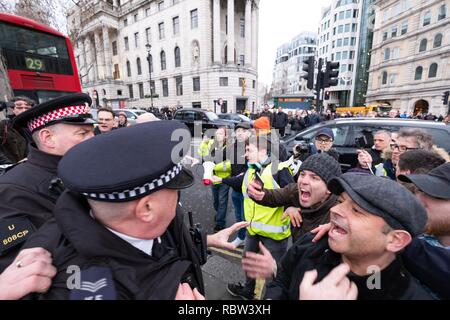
column 234, row 117
column 347, row 130
column 197, row 117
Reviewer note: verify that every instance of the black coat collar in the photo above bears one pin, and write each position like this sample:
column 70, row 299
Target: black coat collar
column 42, row 159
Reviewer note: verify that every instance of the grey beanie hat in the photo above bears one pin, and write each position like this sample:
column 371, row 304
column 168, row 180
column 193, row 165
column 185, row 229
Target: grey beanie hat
column 322, row 164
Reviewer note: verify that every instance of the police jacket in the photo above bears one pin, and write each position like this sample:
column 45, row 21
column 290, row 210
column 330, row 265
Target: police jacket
column 111, row 268
column 27, row 200
column 395, row 281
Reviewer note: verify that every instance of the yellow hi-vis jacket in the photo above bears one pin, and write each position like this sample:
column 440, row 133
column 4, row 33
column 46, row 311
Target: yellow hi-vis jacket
column 265, row 221
column 222, row 169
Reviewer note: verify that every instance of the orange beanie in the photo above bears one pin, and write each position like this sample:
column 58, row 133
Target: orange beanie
column 262, row 123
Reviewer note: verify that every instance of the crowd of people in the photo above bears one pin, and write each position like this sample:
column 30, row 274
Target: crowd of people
column 381, row 230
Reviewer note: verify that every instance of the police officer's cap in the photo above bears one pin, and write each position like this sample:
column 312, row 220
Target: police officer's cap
column 70, row 109
column 129, row 163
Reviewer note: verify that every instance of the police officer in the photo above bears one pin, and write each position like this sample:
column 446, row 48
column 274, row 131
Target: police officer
column 118, row 234
column 30, row 189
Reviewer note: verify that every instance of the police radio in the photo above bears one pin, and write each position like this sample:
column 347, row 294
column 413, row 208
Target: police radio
column 199, row 239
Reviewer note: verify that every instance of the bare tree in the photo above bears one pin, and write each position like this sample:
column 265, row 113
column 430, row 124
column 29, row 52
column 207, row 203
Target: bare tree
column 5, row 88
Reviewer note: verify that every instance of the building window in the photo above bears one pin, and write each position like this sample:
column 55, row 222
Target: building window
column 433, row 70
column 223, row 81
column 160, row 5
column 254, row 84
column 119, row 92
column 148, row 35
column 387, row 54
column 141, row 90
column 426, row 18
column 177, row 57
column 418, row 73
column 163, row 60
column 404, row 27
column 242, row 28
column 136, row 40
column 339, row 43
column 194, row 19
column 176, row 25
column 136, row 17
column 196, row 83
column 392, row 79
column 147, row 12
column 242, row 60
column 341, row 28
column 116, row 74
column 179, row 85
column 161, row 31
column 442, row 12
column 139, row 67
column 127, row 45
column 385, row 35
column 125, row 22
column 130, row 91
column 165, row 87
column 423, row 45
column 241, row 82
column 437, row 40
column 393, row 32
column 354, row 27
column 114, row 48
column 128, row 68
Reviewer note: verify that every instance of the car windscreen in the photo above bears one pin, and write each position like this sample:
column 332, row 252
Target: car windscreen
column 212, row 116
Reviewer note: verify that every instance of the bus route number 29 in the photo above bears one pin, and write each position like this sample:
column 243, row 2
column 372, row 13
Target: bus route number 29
column 34, row 64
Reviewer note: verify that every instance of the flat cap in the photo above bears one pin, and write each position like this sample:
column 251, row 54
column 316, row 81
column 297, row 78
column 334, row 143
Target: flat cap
column 384, row 198
column 436, row 183
column 70, row 109
column 129, row 164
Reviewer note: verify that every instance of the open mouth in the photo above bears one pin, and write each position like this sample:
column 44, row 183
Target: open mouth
column 337, row 230
column 305, row 195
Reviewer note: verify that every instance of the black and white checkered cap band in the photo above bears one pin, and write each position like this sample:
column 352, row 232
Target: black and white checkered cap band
column 138, row 191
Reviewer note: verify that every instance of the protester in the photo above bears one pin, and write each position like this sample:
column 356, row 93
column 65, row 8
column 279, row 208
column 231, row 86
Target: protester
column 280, row 121
column 372, row 157
column 123, row 120
column 105, row 118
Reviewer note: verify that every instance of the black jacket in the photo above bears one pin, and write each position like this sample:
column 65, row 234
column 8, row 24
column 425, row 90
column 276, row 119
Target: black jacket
column 26, row 194
column 396, row 282
column 297, row 123
column 280, row 120
column 13, row 145
column 75, row 238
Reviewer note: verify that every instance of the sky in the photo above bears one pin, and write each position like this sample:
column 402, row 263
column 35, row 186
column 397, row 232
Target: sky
column 279, row 22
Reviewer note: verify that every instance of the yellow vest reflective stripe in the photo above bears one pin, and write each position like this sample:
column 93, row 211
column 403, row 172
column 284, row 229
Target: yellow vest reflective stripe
column 265, row 221
column 205, row 145
column 380, row 171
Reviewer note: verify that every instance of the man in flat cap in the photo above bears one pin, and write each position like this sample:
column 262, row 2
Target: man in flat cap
column 30, row 189
column 117, row 233
column 375, row 220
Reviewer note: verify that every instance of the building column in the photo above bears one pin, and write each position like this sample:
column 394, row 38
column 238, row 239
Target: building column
column 230, row 38
column 89, row 70
column 100, row 65
column 82, row 66
column 107, row 53
column 254, row 36
column 248, row 32
column 216, row 31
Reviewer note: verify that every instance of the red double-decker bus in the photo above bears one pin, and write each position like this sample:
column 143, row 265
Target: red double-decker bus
column 39, row 59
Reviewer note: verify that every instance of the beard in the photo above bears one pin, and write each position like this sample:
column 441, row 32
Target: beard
column 438, row 225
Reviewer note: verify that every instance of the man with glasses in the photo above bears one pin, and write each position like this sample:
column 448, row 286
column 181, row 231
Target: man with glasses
column 105, row 118
column 323, row 142
column 30, row 189
column 408, row 139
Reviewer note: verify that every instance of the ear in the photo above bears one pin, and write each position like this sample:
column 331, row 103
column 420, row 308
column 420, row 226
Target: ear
column 143, row 210
column 398, row 240
column 46, row 138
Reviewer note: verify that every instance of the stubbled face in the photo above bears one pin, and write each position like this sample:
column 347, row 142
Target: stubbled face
column 354, row 231
column 312, row 189
column 437, row 210
column 381, row 141
column 20, row 106
column 67, row 136
column 105, row 121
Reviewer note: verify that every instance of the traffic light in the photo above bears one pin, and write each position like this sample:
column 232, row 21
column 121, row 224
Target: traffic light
column 308, row 67
column 330, row 78
column 445, row 98
column 327, row 95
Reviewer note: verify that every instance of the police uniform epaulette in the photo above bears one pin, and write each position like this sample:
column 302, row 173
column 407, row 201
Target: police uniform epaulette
column 14, row 231
column 150, row 161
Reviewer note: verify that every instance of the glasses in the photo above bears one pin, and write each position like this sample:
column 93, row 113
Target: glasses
column 401, row 148
column 323, row 140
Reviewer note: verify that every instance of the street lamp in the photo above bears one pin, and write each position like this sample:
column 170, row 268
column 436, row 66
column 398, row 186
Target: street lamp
column 149, row 48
